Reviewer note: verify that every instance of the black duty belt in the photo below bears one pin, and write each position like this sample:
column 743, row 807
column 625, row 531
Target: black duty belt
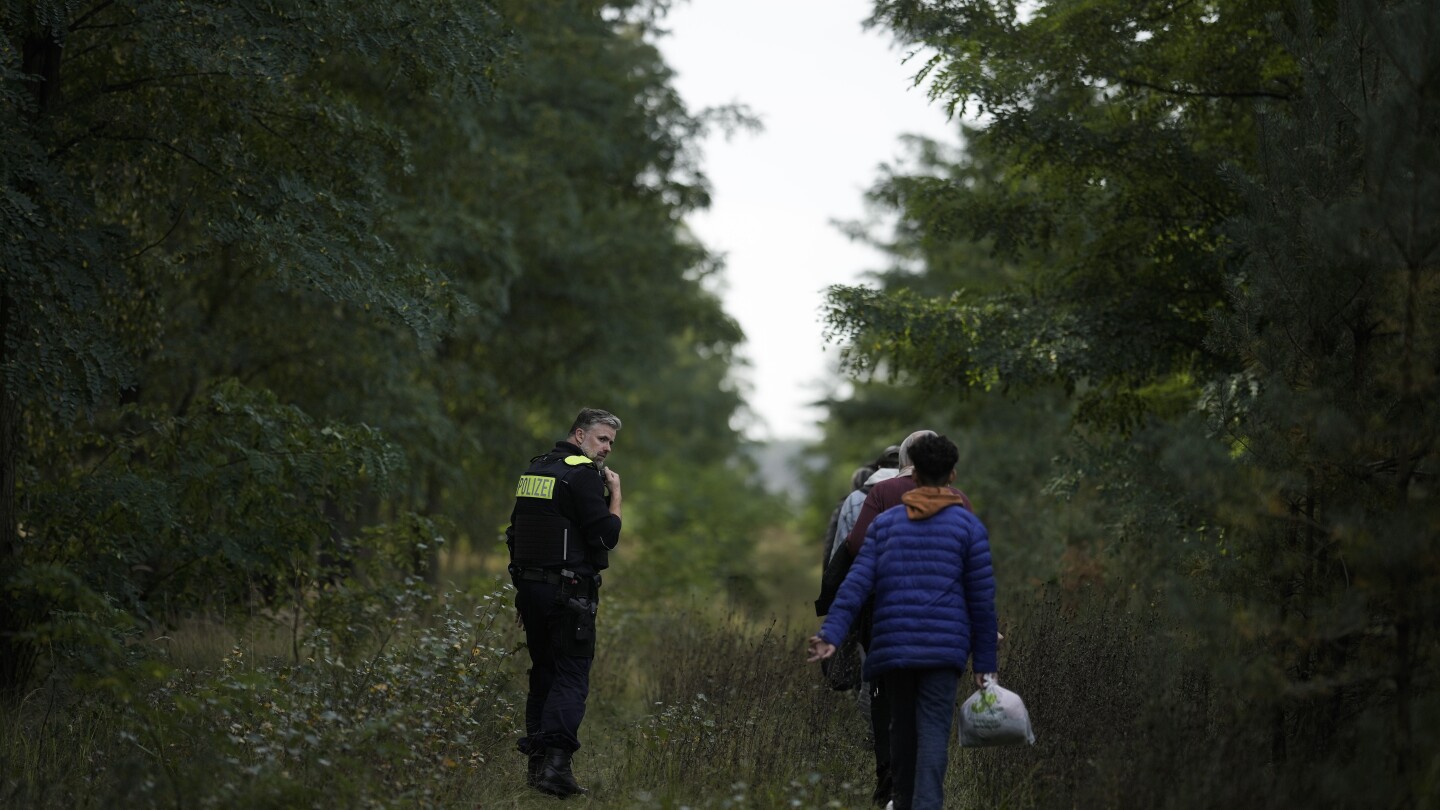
column 551, row 577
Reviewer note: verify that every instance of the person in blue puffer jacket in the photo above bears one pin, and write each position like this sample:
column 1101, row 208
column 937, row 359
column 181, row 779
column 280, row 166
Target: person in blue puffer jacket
column 927, row 563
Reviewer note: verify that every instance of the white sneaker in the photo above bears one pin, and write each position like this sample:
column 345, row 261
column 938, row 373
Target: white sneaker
column 890, row 805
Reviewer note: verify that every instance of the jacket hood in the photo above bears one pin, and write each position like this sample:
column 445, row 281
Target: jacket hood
column 923, row 502
column 882, row 474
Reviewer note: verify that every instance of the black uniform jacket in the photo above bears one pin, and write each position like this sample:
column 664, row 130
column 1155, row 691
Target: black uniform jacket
column 562, row 514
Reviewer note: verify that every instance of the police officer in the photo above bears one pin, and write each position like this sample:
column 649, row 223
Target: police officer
column 565, row 523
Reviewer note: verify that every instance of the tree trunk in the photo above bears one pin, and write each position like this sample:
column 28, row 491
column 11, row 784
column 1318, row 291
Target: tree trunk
column 41, row 57
column 17, row 657
column 1403, row 740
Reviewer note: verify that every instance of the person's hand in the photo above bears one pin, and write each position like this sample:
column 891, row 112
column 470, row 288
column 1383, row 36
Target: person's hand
column 612, row 480
column 819, row 649
column 519, row 620
column 981, row 676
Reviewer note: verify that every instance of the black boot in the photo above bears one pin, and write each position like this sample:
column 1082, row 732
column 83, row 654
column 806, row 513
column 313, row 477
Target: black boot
column 534, row 750
column 884, row 786
column 556, row 778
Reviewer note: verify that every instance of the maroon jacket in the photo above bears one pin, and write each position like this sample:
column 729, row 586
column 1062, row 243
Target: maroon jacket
column 883, row 496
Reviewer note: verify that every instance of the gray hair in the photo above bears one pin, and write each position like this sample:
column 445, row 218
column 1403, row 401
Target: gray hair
column 590, row 417
column 905, row 448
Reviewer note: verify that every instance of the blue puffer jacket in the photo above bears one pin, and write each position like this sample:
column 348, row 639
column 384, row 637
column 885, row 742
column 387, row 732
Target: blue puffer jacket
column 928, row 565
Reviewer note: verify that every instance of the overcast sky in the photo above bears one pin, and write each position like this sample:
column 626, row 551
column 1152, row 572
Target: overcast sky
column 834, row 100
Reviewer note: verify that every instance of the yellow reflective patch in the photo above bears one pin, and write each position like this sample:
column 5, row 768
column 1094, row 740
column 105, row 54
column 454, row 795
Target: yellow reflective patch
column 535, row 486
column 575, row 461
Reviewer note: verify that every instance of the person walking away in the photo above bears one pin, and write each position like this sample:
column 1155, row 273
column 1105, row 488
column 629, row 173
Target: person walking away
column 886, row 467
column 927, row 565
column 565, row 523
column 827, row 546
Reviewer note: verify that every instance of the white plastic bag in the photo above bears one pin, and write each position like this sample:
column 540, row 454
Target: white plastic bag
column 994, row 716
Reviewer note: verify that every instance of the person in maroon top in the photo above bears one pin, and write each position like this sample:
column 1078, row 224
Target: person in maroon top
column 886, row 494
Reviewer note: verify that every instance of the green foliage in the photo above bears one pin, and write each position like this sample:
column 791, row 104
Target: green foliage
column 1334, row 422
column 586, row 166
column 411, row 717
column 80, row 632
column 705, row 709
column 199, row 510
column 1083, row 222
column 695, row 530
column 159, row 162
column 210, row 125
column 985, row 344
column 688, row 706
column 289, row 293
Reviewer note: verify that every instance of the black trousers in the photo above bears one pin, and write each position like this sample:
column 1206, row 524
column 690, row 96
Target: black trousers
column 559, row 667
column 922, row 708
column 880, row 717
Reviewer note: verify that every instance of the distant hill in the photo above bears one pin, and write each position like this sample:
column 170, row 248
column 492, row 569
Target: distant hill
column 780, row 464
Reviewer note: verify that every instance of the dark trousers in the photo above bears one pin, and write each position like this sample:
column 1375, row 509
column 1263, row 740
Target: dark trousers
column 879, row 714
column 559, row 681
column 922, row 704
column 880, row 730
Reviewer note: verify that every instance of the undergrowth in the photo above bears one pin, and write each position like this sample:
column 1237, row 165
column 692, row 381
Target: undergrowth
column 692, row 705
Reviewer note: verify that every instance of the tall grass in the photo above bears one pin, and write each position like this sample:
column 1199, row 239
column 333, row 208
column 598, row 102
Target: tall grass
column 691, row 706
column 694, row 704
column 730, row 717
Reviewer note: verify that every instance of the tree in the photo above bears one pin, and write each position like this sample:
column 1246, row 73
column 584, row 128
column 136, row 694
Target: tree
column 1095, row 182
column 155, row 147
column 587, row 169
column 323, row 281
column 1263, row 454
column 1334, row 419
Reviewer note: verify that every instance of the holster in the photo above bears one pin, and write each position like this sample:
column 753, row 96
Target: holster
column 575, row 629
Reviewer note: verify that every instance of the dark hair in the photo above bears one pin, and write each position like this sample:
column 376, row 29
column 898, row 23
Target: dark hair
column 860, row 476
column 890, row 459
column 590, row 417
column 934, row 456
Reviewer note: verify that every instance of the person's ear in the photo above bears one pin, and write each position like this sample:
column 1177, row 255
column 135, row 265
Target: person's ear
column 951, row 479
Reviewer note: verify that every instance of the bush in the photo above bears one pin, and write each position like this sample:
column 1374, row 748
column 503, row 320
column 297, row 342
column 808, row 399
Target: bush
column 410, row 720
